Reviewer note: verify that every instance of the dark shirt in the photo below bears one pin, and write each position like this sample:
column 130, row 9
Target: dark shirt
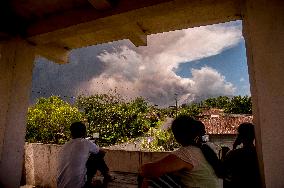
column 242, row 168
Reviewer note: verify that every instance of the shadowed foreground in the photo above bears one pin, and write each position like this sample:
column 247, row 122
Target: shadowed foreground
column 122, row 180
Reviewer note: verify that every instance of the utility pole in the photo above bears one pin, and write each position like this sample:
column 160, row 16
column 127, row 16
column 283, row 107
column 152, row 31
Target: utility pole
column 176, row 104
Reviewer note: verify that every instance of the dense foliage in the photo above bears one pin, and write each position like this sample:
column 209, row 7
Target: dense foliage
column 239, row 105
column 192, row 110
column 116, row 120
column 220, row 102
column 49, row 120
column 234, row 105
column 159, row 140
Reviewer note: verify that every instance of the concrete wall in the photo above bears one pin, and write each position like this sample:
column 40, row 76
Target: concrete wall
column 41, row 164
column 223, row 139
column 41, row 160
column 264, row 35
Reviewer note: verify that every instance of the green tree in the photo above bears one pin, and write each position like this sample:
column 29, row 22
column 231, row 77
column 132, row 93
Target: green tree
column 220, row 102
column 192, row 110
column 48, row 121
column 113, row 118
column 159, row 140
column 210, row 102
column 239, row 105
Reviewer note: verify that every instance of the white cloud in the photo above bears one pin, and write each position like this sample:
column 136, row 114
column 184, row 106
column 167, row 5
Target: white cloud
column 149, row 71
column 207, row 81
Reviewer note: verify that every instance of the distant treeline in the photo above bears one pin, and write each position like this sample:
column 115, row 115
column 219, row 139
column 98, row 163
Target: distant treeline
column 115, row 119
column 233, row 105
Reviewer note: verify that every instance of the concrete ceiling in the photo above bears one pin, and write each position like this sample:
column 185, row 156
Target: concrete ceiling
column 54, row 27
column 33, row 17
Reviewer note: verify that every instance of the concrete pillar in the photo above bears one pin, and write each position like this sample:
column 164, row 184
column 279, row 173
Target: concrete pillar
column 16, row 64
column 264, row 35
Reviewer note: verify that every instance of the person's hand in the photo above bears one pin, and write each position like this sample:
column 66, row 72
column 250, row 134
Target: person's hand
column 237, row 142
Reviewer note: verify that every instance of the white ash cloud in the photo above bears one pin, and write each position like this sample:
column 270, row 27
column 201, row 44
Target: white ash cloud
column 150, row 71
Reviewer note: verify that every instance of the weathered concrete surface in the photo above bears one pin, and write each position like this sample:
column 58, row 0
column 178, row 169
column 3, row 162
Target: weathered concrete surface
column 16, row 64
column 124, row 180
column 264, row 35
column 137, row 24
column 41, row 164
column 41, row 161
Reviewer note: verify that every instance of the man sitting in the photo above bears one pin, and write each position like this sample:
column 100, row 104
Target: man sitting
column 79, row 160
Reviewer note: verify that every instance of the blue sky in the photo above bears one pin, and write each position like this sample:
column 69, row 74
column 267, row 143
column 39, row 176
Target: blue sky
column 193, row 63
column 232, row 63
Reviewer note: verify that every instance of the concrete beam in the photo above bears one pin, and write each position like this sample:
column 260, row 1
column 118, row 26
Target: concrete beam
column 16, row 65
column 138, row 40
column 5, row 36
column 101, row 4
column 78, row 15
column 163, row 17
column 137, row 36
column 53, row 52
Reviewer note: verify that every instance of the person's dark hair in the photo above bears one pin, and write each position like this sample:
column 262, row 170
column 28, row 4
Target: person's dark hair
column 188, row 131
column 246, row 132
column 78, row 130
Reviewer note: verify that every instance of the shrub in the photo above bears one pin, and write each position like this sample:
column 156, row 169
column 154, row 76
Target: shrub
column 159, row 140
column 114, row 119
column 48, row 121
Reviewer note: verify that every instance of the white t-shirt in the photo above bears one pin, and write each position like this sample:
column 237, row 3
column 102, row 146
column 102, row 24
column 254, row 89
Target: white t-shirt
column 202, row 175
column 72, row 162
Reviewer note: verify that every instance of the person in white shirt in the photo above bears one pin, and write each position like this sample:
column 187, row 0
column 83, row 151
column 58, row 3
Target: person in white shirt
column 79, row 160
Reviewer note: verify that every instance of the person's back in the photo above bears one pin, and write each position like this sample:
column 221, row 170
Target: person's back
column 73, row 158
column 202, row 174
column 72, row 163
column 242, row 164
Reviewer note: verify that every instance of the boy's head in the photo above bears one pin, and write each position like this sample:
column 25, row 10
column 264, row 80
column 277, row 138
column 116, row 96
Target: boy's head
column 246, row 133
column 186, row 130
column 78, row 130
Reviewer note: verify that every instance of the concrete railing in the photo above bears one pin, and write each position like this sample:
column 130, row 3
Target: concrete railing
column 40, row 166
column 41, row 162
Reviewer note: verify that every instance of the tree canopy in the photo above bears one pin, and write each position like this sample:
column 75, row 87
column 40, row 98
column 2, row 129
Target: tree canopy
column 49, row 120
column 115, row 119
column 234, row 105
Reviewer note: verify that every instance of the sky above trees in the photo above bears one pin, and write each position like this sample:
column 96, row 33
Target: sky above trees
column 190, row 64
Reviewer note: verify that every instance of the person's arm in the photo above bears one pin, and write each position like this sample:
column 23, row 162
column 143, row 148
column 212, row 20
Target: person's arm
column 93, row 147
column 170, row 163
column 237, row 142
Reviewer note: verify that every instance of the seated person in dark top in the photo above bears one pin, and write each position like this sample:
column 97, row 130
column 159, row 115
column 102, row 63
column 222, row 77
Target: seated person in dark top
column 241, row 164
